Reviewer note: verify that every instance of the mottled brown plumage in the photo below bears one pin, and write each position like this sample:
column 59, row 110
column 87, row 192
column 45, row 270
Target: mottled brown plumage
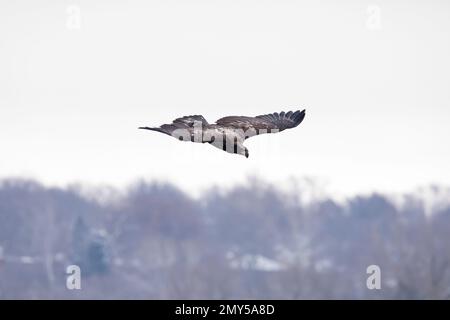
column 229, row 133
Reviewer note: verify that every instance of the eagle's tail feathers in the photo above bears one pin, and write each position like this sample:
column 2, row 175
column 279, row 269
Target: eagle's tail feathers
column 158, row 129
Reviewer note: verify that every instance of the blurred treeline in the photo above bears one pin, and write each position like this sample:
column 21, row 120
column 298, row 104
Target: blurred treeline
column 154, row 241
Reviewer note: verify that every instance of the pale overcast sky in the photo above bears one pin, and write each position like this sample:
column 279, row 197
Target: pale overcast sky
column 374, row 77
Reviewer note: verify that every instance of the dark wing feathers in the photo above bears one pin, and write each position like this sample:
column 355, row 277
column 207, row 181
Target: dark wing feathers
column 244, row 123
column 271, row 122
column 190, row 120
column 283, row 120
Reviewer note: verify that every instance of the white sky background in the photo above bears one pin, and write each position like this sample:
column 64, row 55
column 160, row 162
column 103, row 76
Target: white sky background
column 377, row 96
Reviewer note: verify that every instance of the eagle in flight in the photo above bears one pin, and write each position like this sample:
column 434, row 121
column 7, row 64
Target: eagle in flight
column 229, row 133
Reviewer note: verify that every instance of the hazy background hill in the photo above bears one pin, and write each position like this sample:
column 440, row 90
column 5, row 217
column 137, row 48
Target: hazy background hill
column 252, row 241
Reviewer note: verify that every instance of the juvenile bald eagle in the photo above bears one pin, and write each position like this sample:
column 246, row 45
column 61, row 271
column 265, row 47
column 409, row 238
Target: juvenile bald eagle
column 229, row 133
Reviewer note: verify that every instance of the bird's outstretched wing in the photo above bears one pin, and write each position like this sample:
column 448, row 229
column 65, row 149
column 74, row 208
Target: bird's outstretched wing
column 268, row 123
column 181, row 128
